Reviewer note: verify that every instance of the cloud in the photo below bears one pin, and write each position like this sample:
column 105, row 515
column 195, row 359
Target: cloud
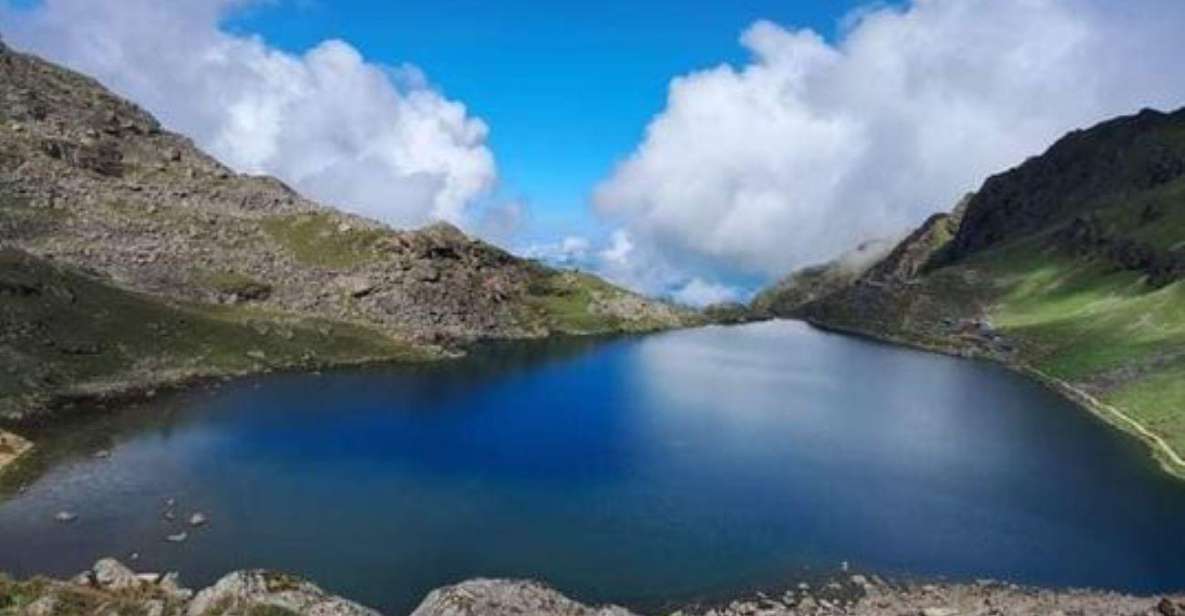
column 372, row 139
column 814, row 146
column 570, row 252
column 698, row 292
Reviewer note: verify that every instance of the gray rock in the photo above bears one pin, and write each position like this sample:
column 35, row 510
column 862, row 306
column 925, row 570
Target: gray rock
column 44, row 606
column 198, row 519
column 113, row 575
column 357, row 285
column 65, row 516
column 177, row 538
column 245, row 591
column 484, row 597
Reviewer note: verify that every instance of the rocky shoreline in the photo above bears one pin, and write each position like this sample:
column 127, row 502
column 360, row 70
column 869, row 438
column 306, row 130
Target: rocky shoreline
column 112, row 588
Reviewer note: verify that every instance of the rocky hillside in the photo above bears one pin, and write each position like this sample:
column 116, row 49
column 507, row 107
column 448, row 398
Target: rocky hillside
column 818, row 281
column 130, row 256
column 1070, row 266
column 111, row 588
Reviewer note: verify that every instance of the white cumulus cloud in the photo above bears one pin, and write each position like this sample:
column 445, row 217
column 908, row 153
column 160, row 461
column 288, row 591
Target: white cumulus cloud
column 814, row 146
column 699, row 292
column 372, row 139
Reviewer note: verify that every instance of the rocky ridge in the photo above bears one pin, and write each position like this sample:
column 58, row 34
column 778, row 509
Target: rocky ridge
column 816, row 282
column 111, row 588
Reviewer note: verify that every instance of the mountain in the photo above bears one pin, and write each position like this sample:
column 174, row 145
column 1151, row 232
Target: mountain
column 818, row 281
column 129, row 257
column 1070, row 267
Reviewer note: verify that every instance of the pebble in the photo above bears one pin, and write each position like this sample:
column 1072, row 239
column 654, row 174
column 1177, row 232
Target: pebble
column 102, row 454
column 197, row 519
column 66, row 516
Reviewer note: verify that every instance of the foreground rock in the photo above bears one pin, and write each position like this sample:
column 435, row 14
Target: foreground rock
column 111, row 588
column 506, row 598
column 862, row 597
column 11, row 448
column 245, row 592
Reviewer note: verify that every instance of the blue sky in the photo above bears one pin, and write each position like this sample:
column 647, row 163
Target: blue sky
column 567, row 88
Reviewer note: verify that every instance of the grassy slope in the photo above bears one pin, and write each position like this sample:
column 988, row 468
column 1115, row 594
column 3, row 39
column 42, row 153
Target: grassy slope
column 1080, row 318
column 1101, row 329
column 578, row 303
column 65, row 332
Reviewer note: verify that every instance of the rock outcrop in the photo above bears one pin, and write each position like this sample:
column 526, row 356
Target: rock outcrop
column 110, row 588
column 816, row 282
column 506, row 598
column 1120, row 157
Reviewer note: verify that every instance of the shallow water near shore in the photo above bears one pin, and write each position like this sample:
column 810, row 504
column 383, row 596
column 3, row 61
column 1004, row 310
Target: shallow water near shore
column 672, row 467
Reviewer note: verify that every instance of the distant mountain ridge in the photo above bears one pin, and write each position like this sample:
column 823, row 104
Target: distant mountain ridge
column 1070, row 266
column 94, row 191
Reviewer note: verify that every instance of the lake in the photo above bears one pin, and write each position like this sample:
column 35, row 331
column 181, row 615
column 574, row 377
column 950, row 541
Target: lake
column 690, row 464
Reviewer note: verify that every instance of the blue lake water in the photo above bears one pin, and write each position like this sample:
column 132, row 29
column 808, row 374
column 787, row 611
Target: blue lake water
column 684, row 465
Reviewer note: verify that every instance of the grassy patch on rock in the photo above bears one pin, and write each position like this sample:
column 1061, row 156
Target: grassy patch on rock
column 322, row 240
column 577, row 303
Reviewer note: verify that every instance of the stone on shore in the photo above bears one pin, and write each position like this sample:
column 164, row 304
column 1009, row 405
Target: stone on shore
column 251, row 592
column 113, row 575
column 484, row 597
column 11, row 448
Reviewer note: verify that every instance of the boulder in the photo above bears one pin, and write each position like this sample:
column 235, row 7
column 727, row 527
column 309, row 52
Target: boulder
column 356, row 285
column 483, row 597
column 111, row 574
column 245, row 592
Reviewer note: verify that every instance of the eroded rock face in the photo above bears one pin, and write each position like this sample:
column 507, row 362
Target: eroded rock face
column 248, row 592
column 110, row 574
column 506, row 598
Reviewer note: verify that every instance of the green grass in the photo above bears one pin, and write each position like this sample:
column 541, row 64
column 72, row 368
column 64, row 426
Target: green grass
column 68, row 332
column 1158, row 401
column 1164, row 231
column 1089, row 323
column 1081, row 318
column 571, row 302
column 565, row 300
column 318, row 240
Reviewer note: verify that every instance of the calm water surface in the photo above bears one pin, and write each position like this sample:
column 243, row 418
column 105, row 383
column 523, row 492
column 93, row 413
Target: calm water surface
column 643, row 470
